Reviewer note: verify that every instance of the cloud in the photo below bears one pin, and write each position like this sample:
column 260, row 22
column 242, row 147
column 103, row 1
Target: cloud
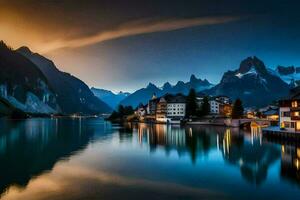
column 61, row 179
column 135, row 28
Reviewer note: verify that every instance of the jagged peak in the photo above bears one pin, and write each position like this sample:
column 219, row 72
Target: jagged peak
column 151, row 85
column 193, row 78
column 3, row 45
column 180, row 83
column 252, row 62
column 25, row 50
column 166, row 85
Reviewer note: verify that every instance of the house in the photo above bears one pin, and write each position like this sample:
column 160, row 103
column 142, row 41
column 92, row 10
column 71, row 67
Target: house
column 141, row 112
column 223, row 99
column 271, row 114
column 219, row 105
column 176, row 106
column 225, row 110
column 168, row 108
column 289, row 110
column 250, row 112
column 214, row 106
column 161, row 110
column 151, row 108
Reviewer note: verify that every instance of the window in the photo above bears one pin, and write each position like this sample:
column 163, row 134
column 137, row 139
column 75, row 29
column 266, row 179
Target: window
column 294, row 104
column 296, row 114
column 292, row 124
column 285, row 114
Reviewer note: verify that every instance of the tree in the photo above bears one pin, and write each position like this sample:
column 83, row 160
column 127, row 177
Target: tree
column 128, row 110
column 191, row 104
column 121, row 110
column 114, row 115
column 205, row 107
column 238, row 109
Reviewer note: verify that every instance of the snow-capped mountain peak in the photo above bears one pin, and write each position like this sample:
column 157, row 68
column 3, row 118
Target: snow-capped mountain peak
column 252, row 71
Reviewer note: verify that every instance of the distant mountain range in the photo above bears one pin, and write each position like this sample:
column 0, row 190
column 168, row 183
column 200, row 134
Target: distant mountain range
column 144, row 94
column 290, row 75
column 109, row 97
column 33, row 84
column 253, row 83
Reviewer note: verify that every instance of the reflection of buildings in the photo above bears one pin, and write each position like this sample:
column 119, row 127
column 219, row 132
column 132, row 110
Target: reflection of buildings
column 290, row 163
column 247, row 151
column 251, row 156
column 194, row 141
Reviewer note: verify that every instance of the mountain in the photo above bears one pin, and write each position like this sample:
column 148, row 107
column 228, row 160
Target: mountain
column 143, row 95
column 253, row 83
column 290, row 74
column 72, row 94
column 23, row 85
column 109, row 97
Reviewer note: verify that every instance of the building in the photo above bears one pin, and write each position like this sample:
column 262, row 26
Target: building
column 223, row 99
column 271, row 114
column 141, row 112
column 219, row 105
column 161, row 110
column 176, row 106
column 151, row 109
column 167, row 108
column 225, row 110
column 289, row 110
column 214, row 106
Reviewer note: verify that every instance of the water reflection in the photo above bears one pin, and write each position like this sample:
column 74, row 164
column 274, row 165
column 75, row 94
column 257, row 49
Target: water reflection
column 244, row 150
column 290, row 163
column 30, row 147
column 251, row 156
column 113, row 161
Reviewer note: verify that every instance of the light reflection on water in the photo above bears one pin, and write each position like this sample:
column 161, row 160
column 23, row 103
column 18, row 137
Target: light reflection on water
column 93, row 159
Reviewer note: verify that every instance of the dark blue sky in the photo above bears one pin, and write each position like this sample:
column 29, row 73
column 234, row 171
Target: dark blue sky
column 268, row 29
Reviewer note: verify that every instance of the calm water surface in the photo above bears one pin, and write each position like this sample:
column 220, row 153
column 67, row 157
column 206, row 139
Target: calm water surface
column 92, row 159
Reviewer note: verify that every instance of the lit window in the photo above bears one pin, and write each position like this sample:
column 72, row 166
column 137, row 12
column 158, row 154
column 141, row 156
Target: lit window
column 296, row 114
column 294, row 104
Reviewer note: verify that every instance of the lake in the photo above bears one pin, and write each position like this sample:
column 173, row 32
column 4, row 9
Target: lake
column 93, row 159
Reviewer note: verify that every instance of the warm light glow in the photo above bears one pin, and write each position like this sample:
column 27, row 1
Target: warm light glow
column 297, row 164
column 16, row 29
column 294, row 104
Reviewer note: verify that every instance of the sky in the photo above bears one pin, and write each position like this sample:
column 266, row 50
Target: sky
column 124, row 45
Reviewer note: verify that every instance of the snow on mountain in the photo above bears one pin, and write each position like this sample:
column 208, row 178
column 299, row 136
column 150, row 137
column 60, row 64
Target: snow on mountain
column 290, row 75
column 252, row 82
column 252, row 71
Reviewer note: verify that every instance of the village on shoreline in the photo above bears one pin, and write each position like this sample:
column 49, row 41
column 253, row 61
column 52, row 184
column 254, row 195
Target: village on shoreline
column 281, row 117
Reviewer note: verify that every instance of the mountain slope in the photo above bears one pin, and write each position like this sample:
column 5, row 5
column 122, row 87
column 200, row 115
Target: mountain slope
column 73, row 95
column 290, row 74
column 109, row 97
column 252, row 82
column 143, row 95
column 23, row 85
